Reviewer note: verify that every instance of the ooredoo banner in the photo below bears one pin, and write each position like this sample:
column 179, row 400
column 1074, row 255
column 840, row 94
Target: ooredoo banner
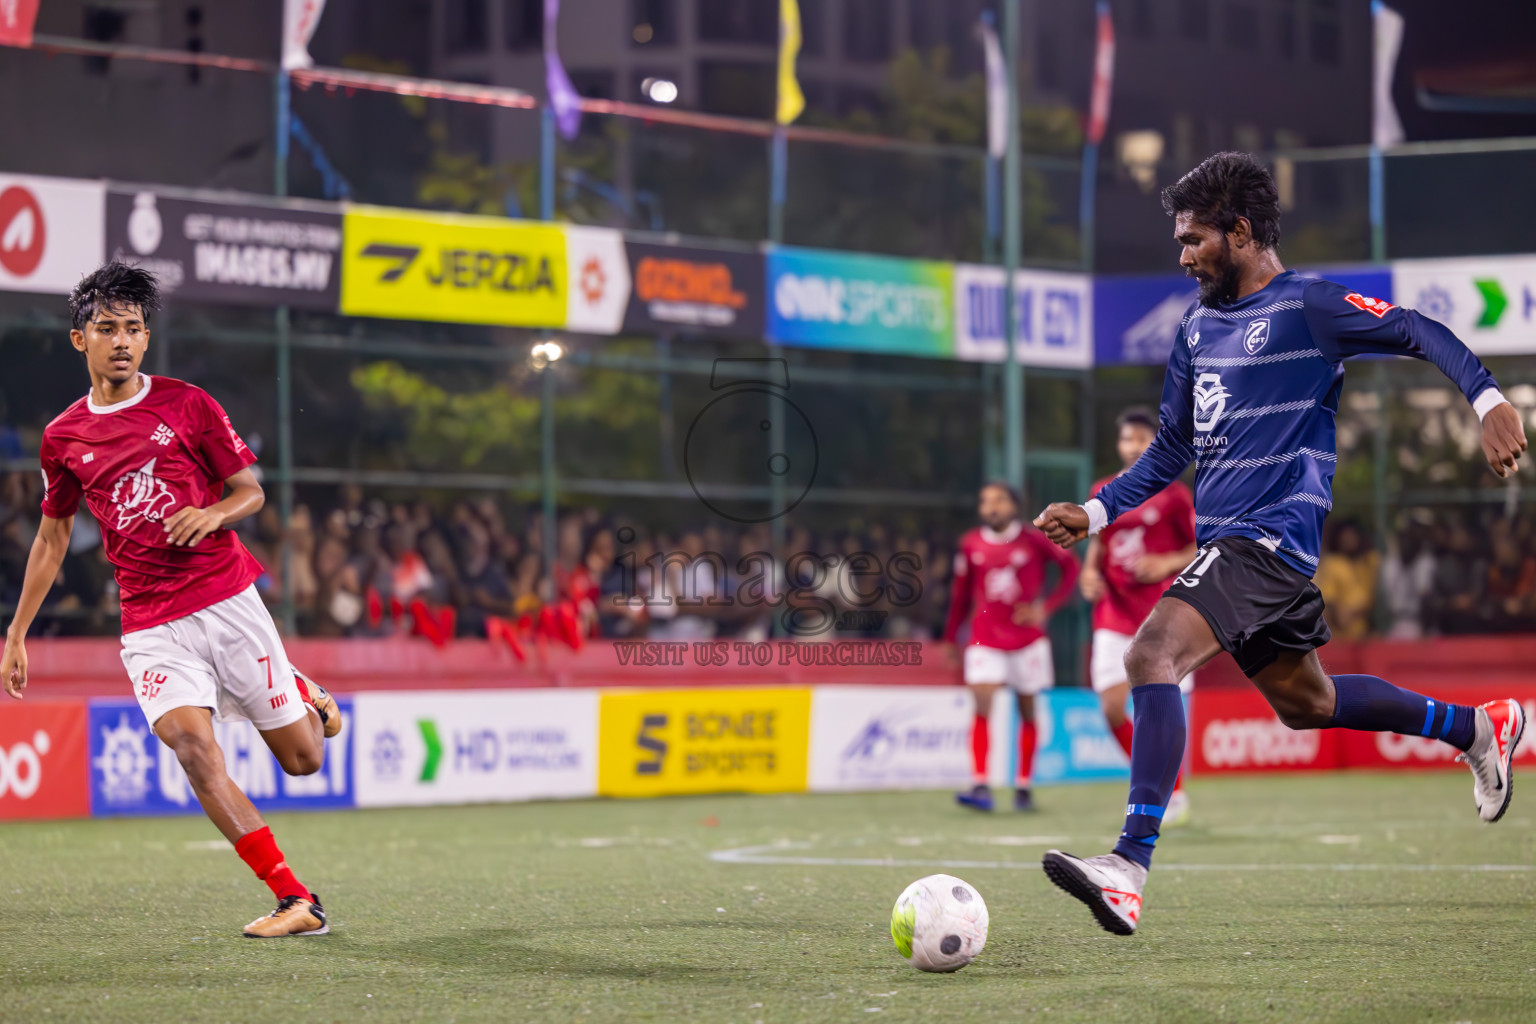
column 711, row 291
column 51, row 232
column 744, row 740
column 42, row 761
column 1236, row 730
column 474, row 747
column 229, row 252
column 453, row 268
column 860, row 303
column 1055, row 316
column 133, row 773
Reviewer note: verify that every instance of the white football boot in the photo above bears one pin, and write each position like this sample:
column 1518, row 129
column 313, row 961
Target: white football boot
column 1500, row 724
column 1109, row 884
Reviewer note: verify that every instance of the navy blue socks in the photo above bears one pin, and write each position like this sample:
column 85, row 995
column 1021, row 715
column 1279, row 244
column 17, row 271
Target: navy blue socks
column 1157, row 751
column 1375, row 705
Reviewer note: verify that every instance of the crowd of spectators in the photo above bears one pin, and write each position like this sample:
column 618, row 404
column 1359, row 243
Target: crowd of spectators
column 362, row 566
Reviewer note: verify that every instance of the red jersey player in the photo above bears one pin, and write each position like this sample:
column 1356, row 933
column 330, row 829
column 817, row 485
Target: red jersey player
column 163, row 472
column 1129, row 565
column 1000, row 574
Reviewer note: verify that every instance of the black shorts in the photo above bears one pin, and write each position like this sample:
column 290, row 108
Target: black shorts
column 1256, row 604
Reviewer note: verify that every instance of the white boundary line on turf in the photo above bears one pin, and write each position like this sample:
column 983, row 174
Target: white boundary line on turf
column 773, row 854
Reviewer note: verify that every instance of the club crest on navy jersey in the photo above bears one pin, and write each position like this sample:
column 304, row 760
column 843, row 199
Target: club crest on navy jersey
column 1256, row 335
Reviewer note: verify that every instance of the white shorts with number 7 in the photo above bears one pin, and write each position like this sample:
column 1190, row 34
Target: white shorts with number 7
column 227, row 657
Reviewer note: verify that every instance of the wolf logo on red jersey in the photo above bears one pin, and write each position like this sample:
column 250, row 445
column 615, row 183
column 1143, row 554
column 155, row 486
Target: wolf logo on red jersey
column 141, row 493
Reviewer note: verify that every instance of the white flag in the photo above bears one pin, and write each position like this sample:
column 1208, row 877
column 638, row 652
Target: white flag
column 299, row 20
column 1387, row 24
column 997, row 91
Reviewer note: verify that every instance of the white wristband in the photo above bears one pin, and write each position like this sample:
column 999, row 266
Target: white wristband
column 1098, row 517
column 1490, row 399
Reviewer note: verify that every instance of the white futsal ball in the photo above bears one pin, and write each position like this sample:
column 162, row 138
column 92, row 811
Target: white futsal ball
column 939, row 923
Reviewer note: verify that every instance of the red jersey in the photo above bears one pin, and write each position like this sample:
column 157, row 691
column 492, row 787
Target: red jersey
column 995, row 573
column 1162, row 524
column 136, row 462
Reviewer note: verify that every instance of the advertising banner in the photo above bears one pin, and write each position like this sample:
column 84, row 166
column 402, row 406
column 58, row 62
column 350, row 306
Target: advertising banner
column 476, row 746
column 1055, row 316
column 745, row 740
column 1236, row 730
column 132, row 772
column 892, row 737
column 51, row 232
column 227, row 252
column 713, row 291
column 1489, row 301
column 452, row 268
column 598, row 272
column 860, row 303
column 1074, row 743
column 42, row 761
column 1136, row 319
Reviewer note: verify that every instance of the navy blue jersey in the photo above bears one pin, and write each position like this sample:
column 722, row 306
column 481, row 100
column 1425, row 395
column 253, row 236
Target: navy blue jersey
column 1250, row 395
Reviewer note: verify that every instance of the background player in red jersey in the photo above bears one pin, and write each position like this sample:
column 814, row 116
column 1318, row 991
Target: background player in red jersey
column 1000, row 573
column 164, row 472
column 1129, row 565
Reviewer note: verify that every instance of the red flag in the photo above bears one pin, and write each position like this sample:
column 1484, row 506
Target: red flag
column 16, row 20
column 1103, row 75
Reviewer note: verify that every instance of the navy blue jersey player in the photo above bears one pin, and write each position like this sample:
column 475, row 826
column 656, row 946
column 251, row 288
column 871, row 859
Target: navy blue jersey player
column 1250, row 396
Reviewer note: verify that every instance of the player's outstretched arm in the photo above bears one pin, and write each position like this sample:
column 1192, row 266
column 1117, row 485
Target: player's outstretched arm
column 1503, row 439
column 243, row 496
column 1063, row 522
column 47, row 555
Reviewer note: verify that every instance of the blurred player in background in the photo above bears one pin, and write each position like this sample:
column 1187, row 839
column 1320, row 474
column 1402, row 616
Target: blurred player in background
column 1000, row 574
column 1129, row 565
column 164, row 473
column 1250, row 394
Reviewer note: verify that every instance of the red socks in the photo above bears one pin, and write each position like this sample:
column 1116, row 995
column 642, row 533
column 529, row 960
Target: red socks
column 1027, row 736
column 1123, row 734
column 980, row 743
column 259, row 851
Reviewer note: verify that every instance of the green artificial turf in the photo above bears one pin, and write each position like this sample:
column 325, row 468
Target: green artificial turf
column 607, row 910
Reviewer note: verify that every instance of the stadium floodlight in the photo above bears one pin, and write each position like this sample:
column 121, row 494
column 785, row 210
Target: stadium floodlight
column 545, row 352
column 659, row 90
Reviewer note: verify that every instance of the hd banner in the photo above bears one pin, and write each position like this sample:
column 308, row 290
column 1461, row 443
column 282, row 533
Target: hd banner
column 50, row 232
column 860, row 303
column 456, row 269
column 230, row 253
column 708, row 291
column 1055, row 316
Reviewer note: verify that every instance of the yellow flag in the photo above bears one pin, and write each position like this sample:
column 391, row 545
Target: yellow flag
column 791, row 99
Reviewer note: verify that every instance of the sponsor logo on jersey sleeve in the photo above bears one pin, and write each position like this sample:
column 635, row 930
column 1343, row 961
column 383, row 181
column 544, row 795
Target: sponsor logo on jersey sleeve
column 1376, row 307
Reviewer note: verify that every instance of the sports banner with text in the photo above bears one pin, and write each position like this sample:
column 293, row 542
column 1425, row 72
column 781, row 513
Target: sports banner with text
column 1055, row 316
column 43, row 761
column 51, row 232
column 474, row 747
column 1489, row 301
column 653, row 743
column 133, row 773
column 231, row 253
column 709, row 291
column 453, row 268
column 860, row 303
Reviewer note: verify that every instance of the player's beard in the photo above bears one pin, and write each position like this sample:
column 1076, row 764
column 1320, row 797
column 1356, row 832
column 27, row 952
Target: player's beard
column 1222, row 286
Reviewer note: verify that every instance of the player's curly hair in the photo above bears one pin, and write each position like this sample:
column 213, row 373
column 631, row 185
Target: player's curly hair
column 1225, row 187
column 110, row 286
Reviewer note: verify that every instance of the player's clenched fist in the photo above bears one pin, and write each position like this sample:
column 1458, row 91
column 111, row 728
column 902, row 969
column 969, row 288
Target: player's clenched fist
column 190, row 525
column 1063, row 522
column 13, row 667
column 1503, row 439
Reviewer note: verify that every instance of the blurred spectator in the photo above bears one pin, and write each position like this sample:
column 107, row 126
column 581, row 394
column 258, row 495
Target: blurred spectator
column 1511, row 587
column 1460, row 576
column 1407, row 576
column 1346, row 575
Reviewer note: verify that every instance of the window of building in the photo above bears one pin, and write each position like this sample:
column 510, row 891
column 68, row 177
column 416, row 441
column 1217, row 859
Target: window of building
column 653, row 22
column 738, row 88
column 1195, row 19
column 1142, row 20
column 1242, row 26
column 522, row 24
column 867, row 30
column 1285, row 30
column 1323, row 32
column 739, row 21
column 464, row 25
